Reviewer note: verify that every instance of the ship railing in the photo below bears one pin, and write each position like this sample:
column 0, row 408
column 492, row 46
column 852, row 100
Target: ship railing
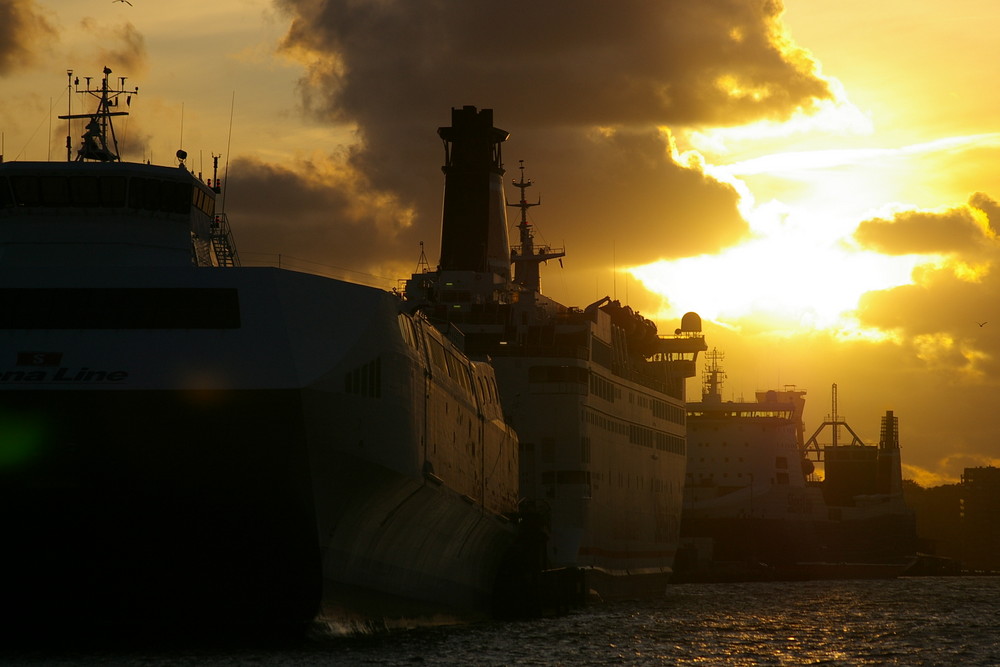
column 555, row 351
column 300, row 265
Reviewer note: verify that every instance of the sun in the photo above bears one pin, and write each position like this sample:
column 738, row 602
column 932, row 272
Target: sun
column 797, row 272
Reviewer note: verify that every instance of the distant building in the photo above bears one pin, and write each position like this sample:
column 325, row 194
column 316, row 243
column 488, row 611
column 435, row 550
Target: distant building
column 980, row 518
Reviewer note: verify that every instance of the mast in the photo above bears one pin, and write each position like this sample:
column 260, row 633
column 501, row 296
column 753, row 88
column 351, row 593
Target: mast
column 525, row 257
column 834, row 421
column 99, row 140
column 713, row 376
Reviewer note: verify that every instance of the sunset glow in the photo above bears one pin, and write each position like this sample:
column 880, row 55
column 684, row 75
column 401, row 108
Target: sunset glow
column 788, row 277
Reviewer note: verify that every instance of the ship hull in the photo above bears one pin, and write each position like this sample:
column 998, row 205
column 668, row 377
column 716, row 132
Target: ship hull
column 135, row 507
column 606, row 471
column 267, row 471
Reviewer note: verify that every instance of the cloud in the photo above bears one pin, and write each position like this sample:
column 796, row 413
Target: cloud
column 962, row 230
column 324, row 214
column 125, row 46
column 938, row 317
column 725, row 62
column 586, row 90
column 22, row 29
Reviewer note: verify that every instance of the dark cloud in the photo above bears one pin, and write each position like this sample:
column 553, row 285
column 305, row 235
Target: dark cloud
column 625, row 189
column 23, row 30
column 723, row 62
column 957, row 230
column 322, row 213
column 585, row 89
column 124, row 49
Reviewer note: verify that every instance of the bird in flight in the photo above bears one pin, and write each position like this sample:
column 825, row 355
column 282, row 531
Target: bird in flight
column 125, row 1
column 981, row 324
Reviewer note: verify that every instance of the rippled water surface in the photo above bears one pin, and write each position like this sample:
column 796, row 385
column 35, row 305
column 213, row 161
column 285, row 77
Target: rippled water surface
column 922, row 621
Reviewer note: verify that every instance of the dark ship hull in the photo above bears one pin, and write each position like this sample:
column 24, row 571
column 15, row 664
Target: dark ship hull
column 175, row 475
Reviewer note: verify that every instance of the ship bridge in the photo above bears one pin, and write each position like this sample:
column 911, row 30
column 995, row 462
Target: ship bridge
column 678, row 353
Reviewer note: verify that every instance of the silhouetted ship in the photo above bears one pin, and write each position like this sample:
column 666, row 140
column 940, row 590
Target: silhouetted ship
column 187, row 440
column 595, row 395
column 753, row 508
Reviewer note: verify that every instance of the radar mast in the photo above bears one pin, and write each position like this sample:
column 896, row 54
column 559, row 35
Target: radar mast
column 99, row 141
column 526, row 258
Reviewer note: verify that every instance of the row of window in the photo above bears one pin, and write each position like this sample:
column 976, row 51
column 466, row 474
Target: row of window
column 365, row 380
column 572, row 374
column 637, row 435
column 449, row 363
column 668, row 411
column 552, row 478
column 103, row 190
column 604, row 388
column 709, row 479
column 119, row 308
column 647, row 437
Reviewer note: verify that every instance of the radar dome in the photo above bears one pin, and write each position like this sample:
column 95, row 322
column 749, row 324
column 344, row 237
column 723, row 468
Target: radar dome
column 691, row 322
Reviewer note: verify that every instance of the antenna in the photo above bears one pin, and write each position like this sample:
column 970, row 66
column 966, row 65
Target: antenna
column 69, row 114
column 834, row 418
column 99, row 141
column 422, row 265
column 527, row 256
column 229, row 143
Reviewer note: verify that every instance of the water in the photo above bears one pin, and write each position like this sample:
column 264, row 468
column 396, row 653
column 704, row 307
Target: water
column 921, row 621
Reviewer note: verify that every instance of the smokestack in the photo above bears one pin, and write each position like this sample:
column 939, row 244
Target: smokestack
column 474, row 219
column 890, row 474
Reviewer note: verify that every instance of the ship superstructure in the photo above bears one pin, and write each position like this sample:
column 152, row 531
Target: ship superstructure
column 595, row 394
column 187, row 440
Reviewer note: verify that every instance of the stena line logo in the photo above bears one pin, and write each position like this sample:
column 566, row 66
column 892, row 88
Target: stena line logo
column 47, row 368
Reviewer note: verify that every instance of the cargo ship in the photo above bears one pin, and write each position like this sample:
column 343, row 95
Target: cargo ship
column 756, row 506
column 188, row 441
column 596, row 395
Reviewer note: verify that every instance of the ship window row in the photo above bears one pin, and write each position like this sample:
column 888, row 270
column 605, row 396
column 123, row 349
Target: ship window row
column 449, row 364
column 637, row 435
column 566, row 477
column 709, row 480
column 406, row 328
column 647, row 437
column 664, row 410
column 119, row 308
column 365, row 380
column 107, row 190
column 605, row 422
column 601, row 387
column 553, row 479
column 574, row 374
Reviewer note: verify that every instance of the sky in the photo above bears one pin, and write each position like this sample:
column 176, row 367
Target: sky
column 815, row 178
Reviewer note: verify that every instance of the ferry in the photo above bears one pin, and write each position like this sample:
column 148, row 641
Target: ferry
column 188, row 441
column 596, row 395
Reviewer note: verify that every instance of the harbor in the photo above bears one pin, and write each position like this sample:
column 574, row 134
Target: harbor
column 465, row 448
